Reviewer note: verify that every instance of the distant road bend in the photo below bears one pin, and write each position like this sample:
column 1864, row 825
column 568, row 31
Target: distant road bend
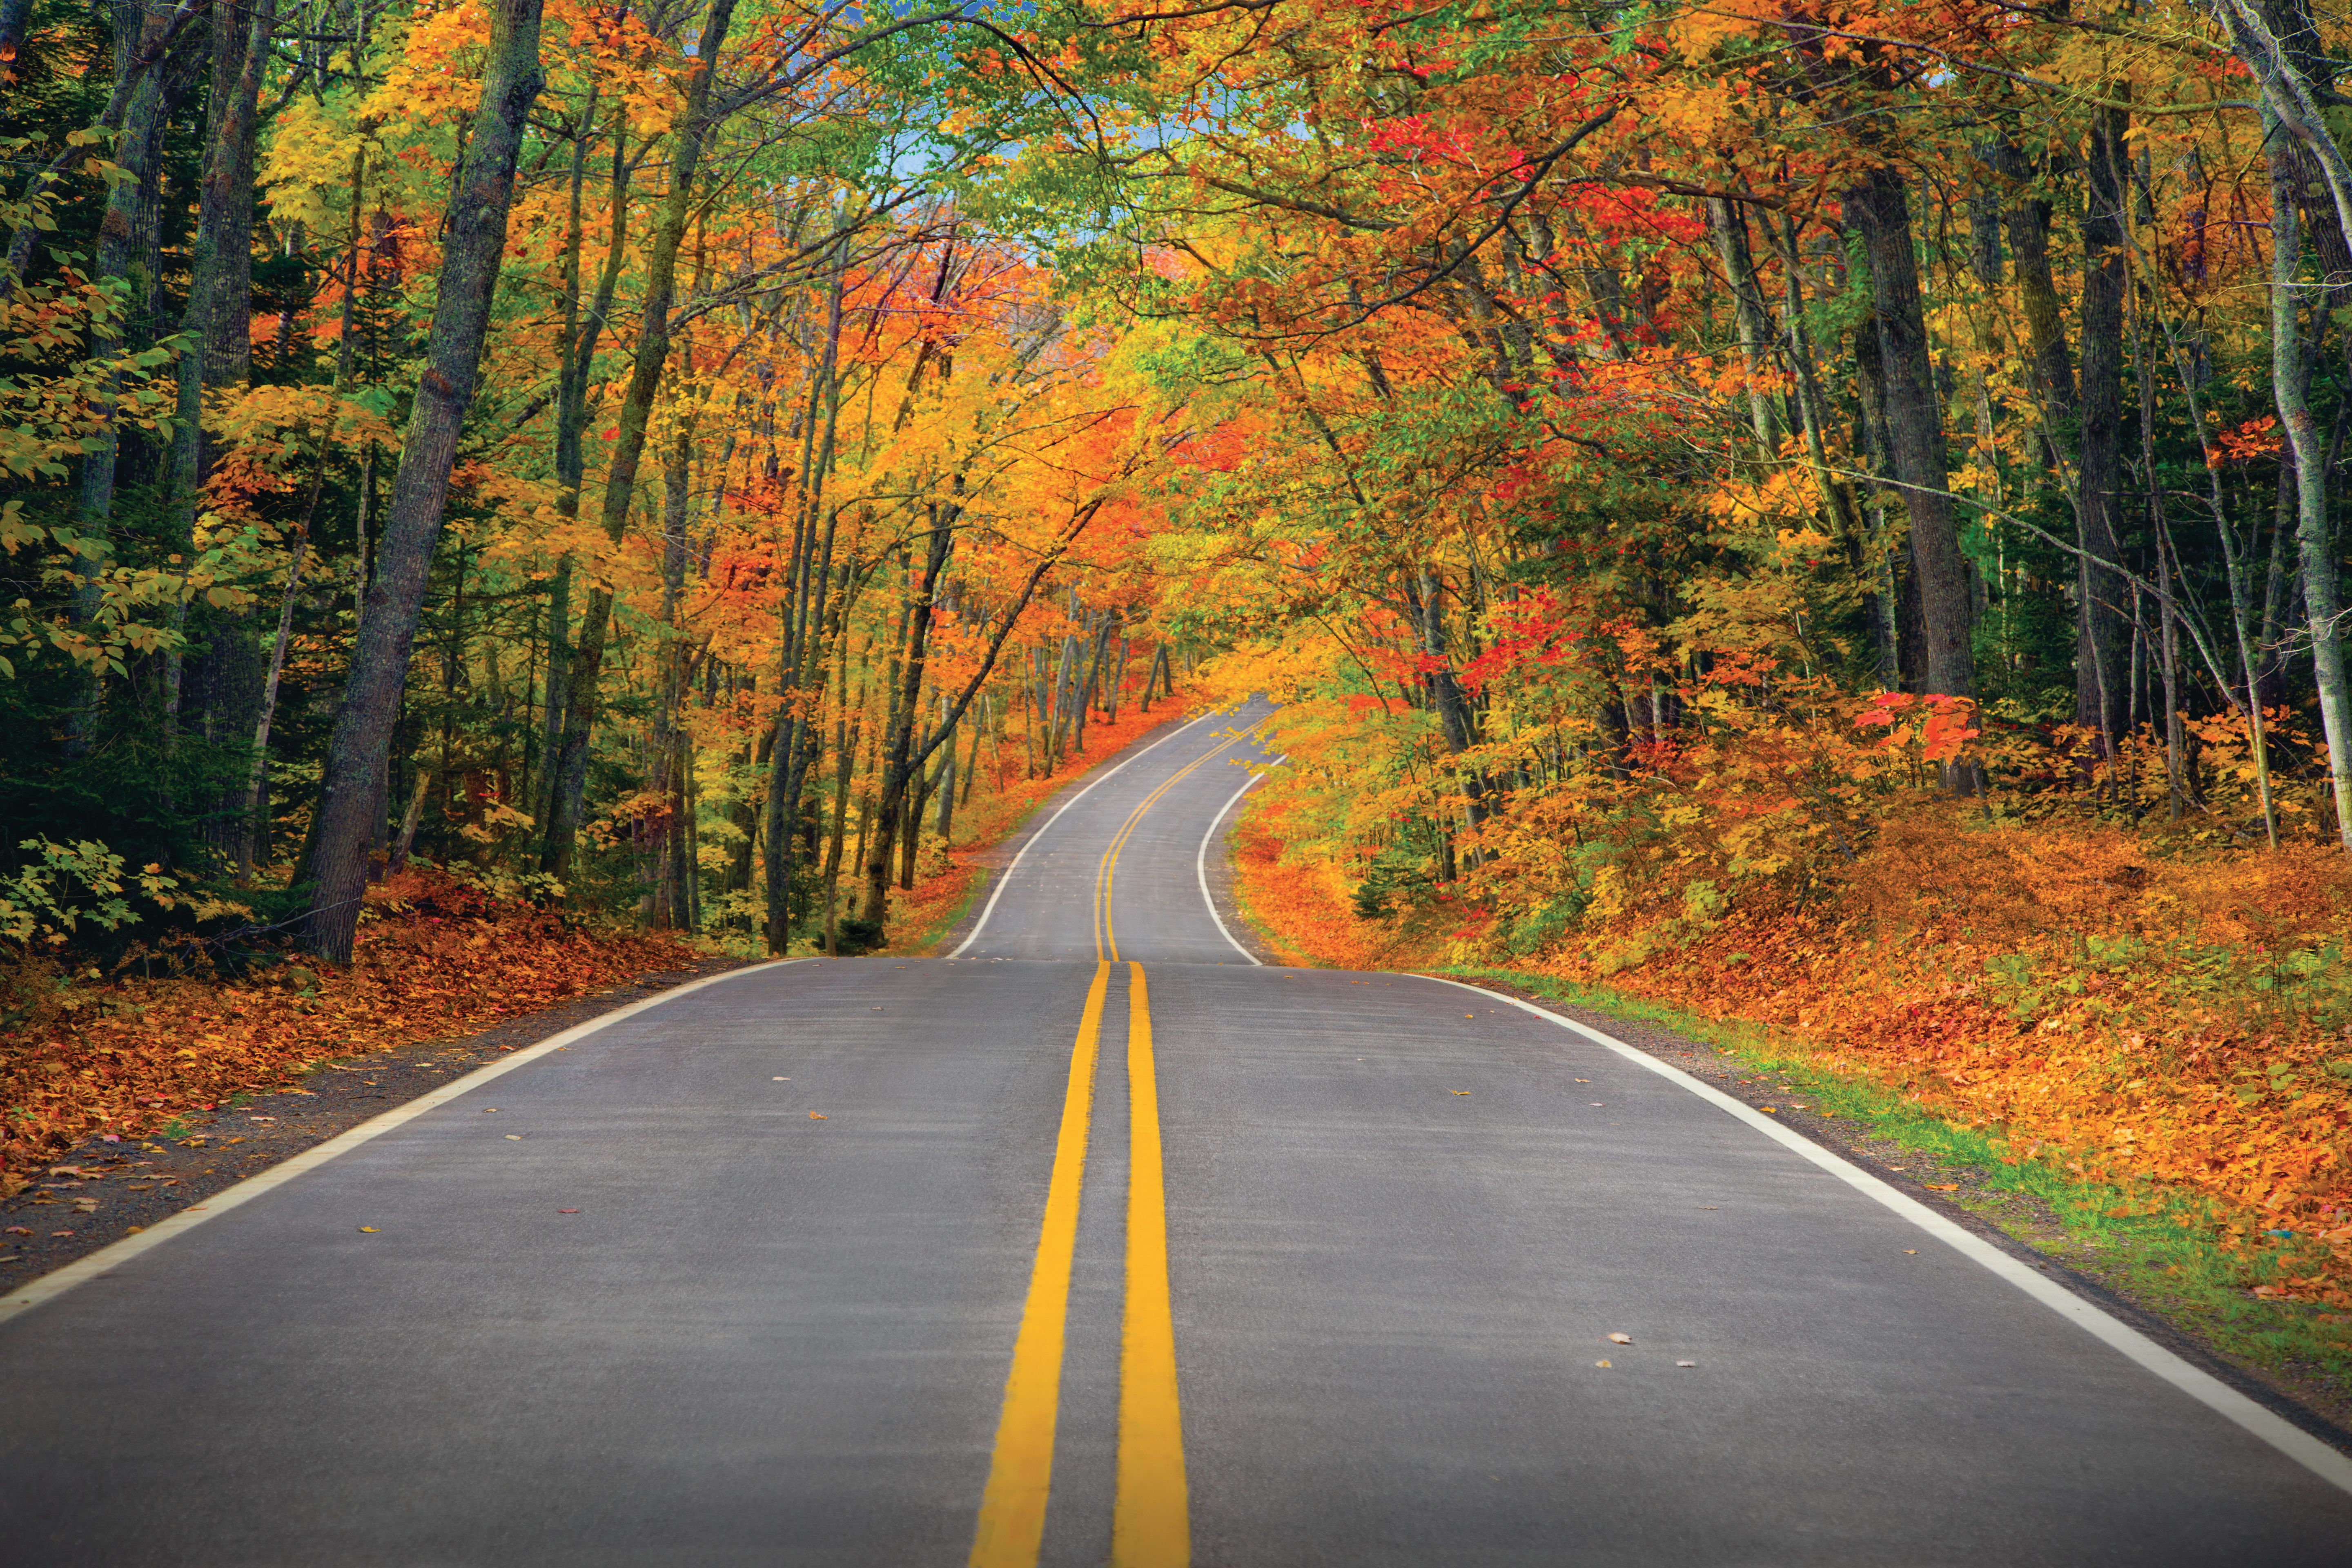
column 1100, row 1242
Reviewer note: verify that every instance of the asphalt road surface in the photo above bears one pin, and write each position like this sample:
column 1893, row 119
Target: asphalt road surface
column 1100, row 1242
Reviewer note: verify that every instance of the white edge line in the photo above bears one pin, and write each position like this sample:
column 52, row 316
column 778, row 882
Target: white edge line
column 50, row 1286
column 2272, row 1428
column 1201, row 861
column 1021, row 854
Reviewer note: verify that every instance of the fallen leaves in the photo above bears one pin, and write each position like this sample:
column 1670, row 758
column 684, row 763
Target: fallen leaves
column 162, row 1046
column 1621, row 1339
column 816, row 1116
column 2189, row 1035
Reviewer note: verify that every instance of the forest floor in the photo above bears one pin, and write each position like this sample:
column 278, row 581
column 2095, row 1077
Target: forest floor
column 2153, row 1121
column 118, row 1059
column 110, row 1185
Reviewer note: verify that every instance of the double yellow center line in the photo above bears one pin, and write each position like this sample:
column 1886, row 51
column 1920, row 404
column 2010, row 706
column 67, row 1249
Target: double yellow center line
column 1150, row 1509
column 1105, row 938
column 1150, row 1512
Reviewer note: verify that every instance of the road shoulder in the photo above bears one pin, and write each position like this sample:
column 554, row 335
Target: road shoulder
column 102, row 1191
column 2015, row 1223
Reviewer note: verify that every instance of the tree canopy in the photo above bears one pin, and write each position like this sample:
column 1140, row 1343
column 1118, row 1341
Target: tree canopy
column 681, row 458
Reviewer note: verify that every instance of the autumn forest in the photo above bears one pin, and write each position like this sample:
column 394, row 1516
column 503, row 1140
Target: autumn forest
column 1823, row 514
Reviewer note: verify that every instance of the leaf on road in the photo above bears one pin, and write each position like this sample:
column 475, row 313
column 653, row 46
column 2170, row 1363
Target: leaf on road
column 567, row 1211
column 514, row 1137
column 1621, row 1339
column 816, row 1116
column 1600, row 1363
column 1910, row 1252
column 369, row 1229
column 1457, row 1091
column 1686, row 1364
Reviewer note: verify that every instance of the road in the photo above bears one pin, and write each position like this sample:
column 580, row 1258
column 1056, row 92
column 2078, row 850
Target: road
column 1101, row 1242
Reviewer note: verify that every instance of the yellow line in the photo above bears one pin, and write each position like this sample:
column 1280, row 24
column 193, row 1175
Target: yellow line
column 1105, row 941
column 1150, row 1524
column 1013, row 1509
column 1150, row 1518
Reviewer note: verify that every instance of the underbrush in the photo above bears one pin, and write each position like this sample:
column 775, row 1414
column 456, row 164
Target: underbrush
column 2129, row 1018
column 1303, row 910
column 120, row 1051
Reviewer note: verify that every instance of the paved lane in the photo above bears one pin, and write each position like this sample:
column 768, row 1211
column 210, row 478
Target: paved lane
column 1128, row 845
column 1405, row 1235
column 826, row 1208
column 763, row 1338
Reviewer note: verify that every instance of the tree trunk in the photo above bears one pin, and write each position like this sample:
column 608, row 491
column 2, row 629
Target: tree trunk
column 1727, row 226
column 2168, row 638
column 409, row 818
column 2321, row 588
column 629, row 443
column 583, row 327
column 220, row 286
column 141, row 102
column 898, row 762
column 472, row 246
column 2100, row 627
column 2052, row 377
column 13, row 15
column 895, row 777
column 1914, row 423
column 251, row 832
column 1453, row 713
column 1118, row 680
column 669, row 738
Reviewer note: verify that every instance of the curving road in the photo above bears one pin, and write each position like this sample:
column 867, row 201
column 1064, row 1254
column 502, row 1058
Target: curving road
column 1101, row 1242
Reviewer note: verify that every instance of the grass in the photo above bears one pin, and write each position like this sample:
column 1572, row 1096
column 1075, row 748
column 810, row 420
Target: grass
column 2162, row 1248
